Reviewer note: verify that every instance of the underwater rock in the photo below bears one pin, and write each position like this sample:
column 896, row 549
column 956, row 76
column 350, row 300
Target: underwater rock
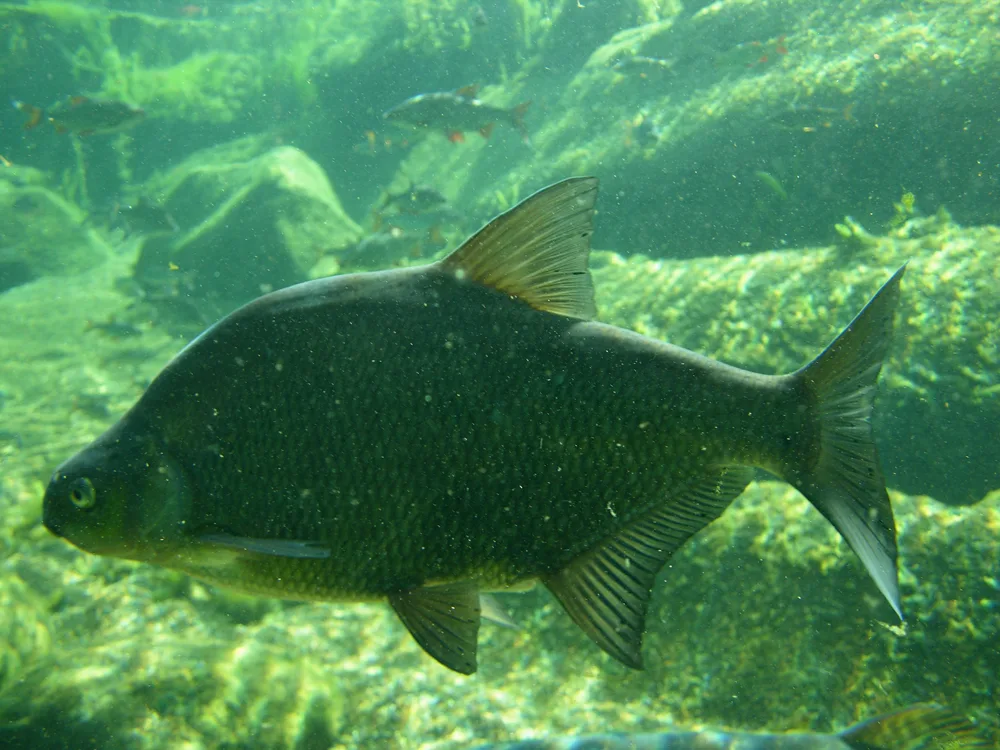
column 256, row 223
column 768, row 126
column 42, row 234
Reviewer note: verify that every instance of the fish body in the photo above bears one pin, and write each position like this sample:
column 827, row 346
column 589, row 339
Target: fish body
column 143, row 216
column 114, row 328
column 83, row 115
column 455, row 113
column 644, row 66
column 927, row 726
column 423, row 435
column 415, row 199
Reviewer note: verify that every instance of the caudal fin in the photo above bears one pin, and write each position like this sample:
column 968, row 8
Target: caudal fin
column 517, row 116
column 33, row 113
column 843, row 478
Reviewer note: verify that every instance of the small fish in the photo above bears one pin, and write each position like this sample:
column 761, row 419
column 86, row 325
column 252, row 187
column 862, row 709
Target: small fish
column 641, row 132
column 114, row 328
column 926, row 726
column 644, row 66
column 96, row 405
column 753, row 54
column 424, row 435
column 84, row 116
column 478, row 17
column 143, row 216
column 455, row 113
column 385, row 248
column 376, row 144
column 812, row 118
column 431, row 222
column 192, row 11
column 415, row 199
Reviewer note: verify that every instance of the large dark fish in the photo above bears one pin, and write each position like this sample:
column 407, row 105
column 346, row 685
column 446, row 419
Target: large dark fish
column 84, row 116
column 455, row 113
column 423, row 435
column 927, row 727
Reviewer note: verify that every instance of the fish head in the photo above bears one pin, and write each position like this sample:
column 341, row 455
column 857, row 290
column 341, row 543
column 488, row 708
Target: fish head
column 122, row 496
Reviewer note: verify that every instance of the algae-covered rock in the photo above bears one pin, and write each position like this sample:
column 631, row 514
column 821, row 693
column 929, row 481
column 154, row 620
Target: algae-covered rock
column 208, row 87
column 41, row 233
column 250, row 224
column 765, row 123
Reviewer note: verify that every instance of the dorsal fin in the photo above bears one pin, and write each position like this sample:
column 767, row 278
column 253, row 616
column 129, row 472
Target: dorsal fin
column 538, row 250
column 468, row 92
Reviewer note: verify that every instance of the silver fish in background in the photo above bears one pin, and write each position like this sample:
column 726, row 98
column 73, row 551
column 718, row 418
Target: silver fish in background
column 455, row 113
column 84, row 115
column 921, row 727
column 421, row 436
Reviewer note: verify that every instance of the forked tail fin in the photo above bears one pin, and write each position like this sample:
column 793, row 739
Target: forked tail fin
column 843, row 478
column 33, row 113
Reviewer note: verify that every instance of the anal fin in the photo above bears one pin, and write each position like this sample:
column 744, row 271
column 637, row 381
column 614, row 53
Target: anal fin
column 606, row 590
column 923, row 726
column 444, row 620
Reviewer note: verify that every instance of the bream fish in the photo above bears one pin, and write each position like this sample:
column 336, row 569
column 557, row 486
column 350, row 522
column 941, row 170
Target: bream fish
column 423, row 435
column 455, row 113
column 927, row 727
column 84, row 116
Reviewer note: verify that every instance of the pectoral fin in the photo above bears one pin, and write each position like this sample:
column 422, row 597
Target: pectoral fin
column 606, row 591
column 444, row 620
column 273, row 547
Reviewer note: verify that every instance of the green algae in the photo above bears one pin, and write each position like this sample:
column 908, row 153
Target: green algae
column 209, row 87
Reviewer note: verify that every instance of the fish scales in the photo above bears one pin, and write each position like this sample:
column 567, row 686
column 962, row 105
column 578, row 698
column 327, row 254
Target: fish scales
column 350, row 423
column 425, row 435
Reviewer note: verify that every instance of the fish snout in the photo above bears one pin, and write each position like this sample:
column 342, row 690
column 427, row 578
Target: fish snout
column 52, row 518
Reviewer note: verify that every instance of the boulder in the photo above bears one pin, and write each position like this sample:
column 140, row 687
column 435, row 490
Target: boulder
column 249, row 224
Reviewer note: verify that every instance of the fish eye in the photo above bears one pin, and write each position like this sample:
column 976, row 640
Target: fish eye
column 82, row 494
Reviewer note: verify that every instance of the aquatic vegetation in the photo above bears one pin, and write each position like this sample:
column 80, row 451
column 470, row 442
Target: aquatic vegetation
column 905, row 209
column 436, row 25
column 208, row 87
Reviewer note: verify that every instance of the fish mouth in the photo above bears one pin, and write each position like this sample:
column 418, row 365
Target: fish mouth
column 49, row 520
